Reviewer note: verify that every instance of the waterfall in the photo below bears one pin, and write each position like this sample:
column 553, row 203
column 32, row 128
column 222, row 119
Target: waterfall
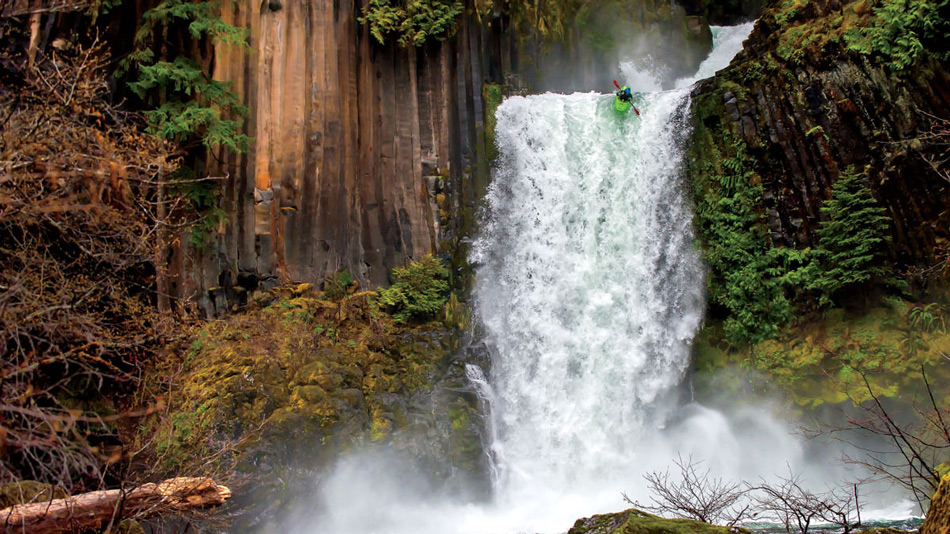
column 590, row 289
column 589, row 284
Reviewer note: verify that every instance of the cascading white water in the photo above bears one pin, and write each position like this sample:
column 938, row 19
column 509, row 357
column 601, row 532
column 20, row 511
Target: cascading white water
column 590, row 286
column 589, row 283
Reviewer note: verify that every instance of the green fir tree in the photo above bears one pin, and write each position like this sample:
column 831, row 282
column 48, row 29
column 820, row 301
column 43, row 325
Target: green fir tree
column 852, row 239
column 187, row 105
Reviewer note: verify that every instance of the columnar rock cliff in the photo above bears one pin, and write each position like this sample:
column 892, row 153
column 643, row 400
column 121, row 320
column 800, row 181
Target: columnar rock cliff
column 938, row 517
column 806, row 108
column 358, row 146
column 343, row 134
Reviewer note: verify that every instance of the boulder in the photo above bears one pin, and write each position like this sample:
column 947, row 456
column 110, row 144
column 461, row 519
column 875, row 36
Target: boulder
column 634, row 521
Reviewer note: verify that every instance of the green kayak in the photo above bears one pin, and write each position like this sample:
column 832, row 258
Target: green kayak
column 620, row 105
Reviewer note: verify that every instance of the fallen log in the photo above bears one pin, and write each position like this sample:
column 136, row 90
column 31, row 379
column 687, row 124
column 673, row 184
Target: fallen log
column 94, row 510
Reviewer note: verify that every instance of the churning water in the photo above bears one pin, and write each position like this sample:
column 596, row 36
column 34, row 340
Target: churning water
column 590, row 286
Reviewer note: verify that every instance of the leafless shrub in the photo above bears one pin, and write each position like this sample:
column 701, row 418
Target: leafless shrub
column 788, row 502
column 695, row 494
column 78, row 220
column 914, row 445
column 933, row 144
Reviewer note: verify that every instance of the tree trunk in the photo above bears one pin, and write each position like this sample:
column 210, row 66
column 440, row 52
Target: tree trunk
column 90, row 511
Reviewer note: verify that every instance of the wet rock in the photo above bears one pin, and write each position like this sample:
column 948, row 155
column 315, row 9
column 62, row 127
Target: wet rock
column 805, row 119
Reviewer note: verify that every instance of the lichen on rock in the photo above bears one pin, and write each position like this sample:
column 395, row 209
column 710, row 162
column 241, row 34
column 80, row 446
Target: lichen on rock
column 938, row 517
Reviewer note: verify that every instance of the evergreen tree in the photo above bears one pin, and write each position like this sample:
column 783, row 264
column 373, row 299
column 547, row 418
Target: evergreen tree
column 188, row 105
column 184, row 104
column 852, row 239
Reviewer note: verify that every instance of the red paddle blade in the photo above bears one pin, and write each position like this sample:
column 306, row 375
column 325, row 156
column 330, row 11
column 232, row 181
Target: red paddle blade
column 637, row 110
column 616, row 84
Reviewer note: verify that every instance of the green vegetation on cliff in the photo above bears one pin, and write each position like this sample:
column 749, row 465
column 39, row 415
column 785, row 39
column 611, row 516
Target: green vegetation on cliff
column 852, row 241
column 737, row 248
column 419, row 290
column 304, row 367
column 789, row 226
column 187, row 105
column 821, row 361
column 183, row 103
column 413, row 22
column 901, row 31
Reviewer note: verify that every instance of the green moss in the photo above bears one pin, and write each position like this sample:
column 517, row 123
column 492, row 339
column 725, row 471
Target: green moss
column 28, row 491
column 492, row 96
column 269, row 382
column 129, row 526
column 634, row 521
column 826, row 360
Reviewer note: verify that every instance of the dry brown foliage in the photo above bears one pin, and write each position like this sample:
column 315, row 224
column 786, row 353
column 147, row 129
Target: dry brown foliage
column 78, row 225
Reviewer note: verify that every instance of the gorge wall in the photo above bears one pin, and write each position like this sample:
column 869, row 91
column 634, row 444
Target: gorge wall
column 804, row 108
column 365, row 156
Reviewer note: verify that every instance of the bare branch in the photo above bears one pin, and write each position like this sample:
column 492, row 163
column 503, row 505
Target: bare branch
column 695, row 495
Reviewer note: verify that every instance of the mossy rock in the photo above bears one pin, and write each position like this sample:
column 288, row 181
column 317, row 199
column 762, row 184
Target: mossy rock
column 28, row 491
column 820, row 362
column 634, row 521
column 299, row 371
column 938, row 517
column 129, row 526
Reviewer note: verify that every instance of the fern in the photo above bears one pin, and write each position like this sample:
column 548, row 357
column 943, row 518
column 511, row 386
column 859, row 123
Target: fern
column 929, row 318
column 419, row 290
column 413, row 21
column 747, row 281
column 903, row 30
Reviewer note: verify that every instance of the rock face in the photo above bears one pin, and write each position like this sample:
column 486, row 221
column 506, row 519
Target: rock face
column 362, row 153
column 938, row 517
column 806, row 108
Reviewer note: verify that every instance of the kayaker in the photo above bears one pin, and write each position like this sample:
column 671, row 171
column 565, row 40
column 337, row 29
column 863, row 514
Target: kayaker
column 624, row 99
column 625, row 95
